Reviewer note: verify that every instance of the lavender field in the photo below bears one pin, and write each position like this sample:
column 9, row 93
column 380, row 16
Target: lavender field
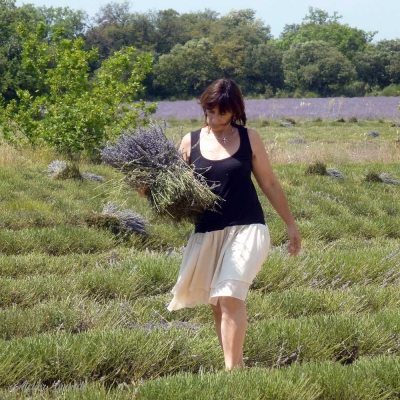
column 325, row 108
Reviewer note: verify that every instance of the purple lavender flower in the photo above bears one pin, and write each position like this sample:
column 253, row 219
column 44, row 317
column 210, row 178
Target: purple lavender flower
column 151, row 161
column 326, row 108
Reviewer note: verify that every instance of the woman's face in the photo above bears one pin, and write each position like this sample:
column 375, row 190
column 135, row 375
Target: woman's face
column 218, row 122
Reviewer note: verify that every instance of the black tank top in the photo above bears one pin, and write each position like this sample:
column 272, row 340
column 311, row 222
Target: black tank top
column 233, row 178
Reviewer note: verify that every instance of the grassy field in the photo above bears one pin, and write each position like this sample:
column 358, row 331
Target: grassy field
column 83, row 311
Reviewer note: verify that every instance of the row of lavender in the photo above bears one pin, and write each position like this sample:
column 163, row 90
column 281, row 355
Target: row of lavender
column 325, row 108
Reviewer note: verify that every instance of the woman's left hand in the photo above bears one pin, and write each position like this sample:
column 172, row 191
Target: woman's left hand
column 294, row 245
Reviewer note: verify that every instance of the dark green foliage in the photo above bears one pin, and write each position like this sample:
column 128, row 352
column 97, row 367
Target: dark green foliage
column 192, row 49
column 319, row 25
column 316, row 66
column 318, row 168
column 353, row 119
column 373, row 177
column 75, row 113
column 108, row 222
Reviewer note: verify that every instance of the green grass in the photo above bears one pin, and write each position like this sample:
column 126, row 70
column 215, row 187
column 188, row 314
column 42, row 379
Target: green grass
column 83, row 312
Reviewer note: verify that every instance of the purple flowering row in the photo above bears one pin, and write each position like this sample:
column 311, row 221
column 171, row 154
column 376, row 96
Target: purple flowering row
column 325, row 108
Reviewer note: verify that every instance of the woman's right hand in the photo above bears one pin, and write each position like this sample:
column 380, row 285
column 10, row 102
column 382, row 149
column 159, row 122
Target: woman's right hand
column 294, row 245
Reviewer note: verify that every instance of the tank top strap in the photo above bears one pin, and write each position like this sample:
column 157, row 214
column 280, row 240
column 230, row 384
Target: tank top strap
column 245, row 146
column 194, row 146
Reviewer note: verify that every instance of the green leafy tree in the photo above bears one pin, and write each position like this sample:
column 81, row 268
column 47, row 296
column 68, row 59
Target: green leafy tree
column 371, row 65
column 318, row 67
column 393, row 68
column 318, row 25
column 115, row 26
column 390, row 53
column 378, row 64
column 230, row 57
column 13, row 76
column 242, row 25
column 264, row 70
column 186, row 70
column 75, row 114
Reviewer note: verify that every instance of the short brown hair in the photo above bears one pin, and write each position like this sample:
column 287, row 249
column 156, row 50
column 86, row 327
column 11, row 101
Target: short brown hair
column 226, row 95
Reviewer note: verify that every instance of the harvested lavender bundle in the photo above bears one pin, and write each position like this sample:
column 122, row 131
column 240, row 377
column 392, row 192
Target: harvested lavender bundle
column 61, row 170
column 127, row 218
column 150, row 160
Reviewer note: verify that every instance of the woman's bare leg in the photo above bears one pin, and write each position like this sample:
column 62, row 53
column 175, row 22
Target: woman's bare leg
column 217, row 318
column 231, row 322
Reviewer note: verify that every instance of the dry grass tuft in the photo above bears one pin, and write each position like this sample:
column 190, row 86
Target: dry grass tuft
column 334, row 152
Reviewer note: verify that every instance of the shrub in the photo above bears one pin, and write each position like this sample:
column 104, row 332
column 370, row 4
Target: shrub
column 373, row 177
column 318, row 168
column 391, row 90
column 311, row 95
column 269, row 92
column 75, row 114
column 282, row 94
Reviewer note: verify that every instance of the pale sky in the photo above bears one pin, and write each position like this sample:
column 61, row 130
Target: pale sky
column 370, row 15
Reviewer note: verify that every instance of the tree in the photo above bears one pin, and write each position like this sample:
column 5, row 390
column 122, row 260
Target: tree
column 390, row 53
column 12, row 73
column 371, row 66
column 75, row 114
column 263, row 68
column 169, row 30
column 316, row 66
column 393, row 68
column 378, row 64
column 187, row 70
column 319, row 25
column 241, row 25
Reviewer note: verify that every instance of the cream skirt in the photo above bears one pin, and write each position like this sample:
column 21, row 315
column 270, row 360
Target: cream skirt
column 220, row 263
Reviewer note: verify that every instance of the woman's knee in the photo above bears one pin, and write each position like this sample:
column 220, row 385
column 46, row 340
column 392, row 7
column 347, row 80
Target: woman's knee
column 216, row 310
column 230, row 304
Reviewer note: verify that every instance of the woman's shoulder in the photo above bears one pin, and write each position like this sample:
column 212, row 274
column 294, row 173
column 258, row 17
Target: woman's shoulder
column 185, row 146
column 252, row 133
column 255, row 139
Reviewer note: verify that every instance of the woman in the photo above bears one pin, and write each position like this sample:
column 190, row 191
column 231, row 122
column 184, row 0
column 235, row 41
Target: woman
column 229, row 245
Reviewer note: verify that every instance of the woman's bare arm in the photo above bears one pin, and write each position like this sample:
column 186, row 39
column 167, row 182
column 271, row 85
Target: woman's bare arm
column 271, row 187
column 185, row 146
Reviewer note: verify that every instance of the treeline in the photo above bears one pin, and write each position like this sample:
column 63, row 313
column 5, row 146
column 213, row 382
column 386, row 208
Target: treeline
column 319, row 57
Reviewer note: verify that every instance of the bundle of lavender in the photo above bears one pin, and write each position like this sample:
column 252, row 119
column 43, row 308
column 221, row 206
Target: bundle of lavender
column 149, row 160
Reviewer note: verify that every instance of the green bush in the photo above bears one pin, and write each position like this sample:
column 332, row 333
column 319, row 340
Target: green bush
column 311, row 95
column 391, row 90
column 75, row 113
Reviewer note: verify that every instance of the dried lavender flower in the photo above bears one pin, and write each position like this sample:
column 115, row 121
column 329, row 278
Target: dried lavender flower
column 56, row 167
column 386, row 178
column 152, row 161
column 334, row 173
column 127, row 218
column 92, row 177
column 61, row 170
